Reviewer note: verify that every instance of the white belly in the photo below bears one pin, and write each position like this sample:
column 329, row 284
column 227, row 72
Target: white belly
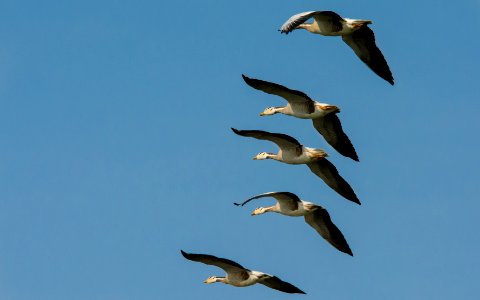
column 240, row 282
column 293, row 159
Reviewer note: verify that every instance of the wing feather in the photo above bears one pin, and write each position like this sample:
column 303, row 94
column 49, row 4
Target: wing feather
column 296, row 20
column 362, row 42
column 225, row 264
column 300, row 100
column 276, row 283
column 331, row 129
column 320, row 220
column 285, row 142
column 329, row 21
column 329, row 174
column 287, row 199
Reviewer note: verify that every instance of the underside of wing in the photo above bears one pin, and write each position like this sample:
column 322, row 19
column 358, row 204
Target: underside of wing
column 280, row 285
column 329, row 21
column 329, row 174
column 320, row 220
column 362, row 41
column 287, row 199
column 296, row 20
column 225, row 264
column 331, row 129
column 292, row 96
column 282, row 140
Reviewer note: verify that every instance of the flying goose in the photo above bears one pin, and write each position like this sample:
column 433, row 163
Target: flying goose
column 240, row 276
column 355, row 33
column 316, row 216
column 324, row 116
column 292, row 152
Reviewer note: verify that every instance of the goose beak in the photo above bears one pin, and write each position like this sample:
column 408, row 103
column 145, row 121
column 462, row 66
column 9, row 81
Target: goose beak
column 262, row 114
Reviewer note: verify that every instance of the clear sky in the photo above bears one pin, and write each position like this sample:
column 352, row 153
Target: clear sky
column 116, row 150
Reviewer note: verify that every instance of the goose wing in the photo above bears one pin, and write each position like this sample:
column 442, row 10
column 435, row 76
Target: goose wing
column 362, row 41
column 287, row 199
column 299, row 100
column 331, row 129
column 328, row 20
column 285, row 142
column 329, row 174
column 227, row 265
column 276, row 283
column 320, row 220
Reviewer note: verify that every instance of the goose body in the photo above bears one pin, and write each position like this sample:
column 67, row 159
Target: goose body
column 320, row 110
column 302, row 155
column 300, row 105
column 316, row 216
column 238, row 276
column 354, row 32
column 292, row 152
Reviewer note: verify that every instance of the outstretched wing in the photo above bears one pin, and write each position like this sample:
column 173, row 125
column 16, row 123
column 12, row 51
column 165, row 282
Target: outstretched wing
column 282, row 140
column 320, row 220
column 328, row 20
column 329, row 174
column 287, row 199
column 225, row 264
column 276, row 283
column 362, row 41
column 331, row 129
column 298, row 100
column 296, row 20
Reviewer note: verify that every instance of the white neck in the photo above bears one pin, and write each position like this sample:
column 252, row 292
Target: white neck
column 221, row 279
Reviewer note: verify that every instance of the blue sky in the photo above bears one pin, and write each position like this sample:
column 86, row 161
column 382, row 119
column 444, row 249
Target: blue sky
column 116, row 150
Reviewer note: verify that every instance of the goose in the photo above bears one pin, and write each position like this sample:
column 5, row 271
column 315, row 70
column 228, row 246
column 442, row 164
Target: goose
column 355, row 33
column 316, row 216
column 239, row 276
column 292, row 152
column 324, row 116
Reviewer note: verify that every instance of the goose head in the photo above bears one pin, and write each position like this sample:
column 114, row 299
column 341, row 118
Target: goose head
column 269, row 111
column 263, row 155
column 211, row 279
column 258, row 211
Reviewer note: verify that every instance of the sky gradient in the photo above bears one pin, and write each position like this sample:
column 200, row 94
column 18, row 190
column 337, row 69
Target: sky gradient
column 116, row 150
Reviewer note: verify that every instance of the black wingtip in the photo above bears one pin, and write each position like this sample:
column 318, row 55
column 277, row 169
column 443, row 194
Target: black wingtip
column 354, row 200
column 355, row 158
column 184, row 254
column 236, row 131
column 247, row 80
column 236, row 204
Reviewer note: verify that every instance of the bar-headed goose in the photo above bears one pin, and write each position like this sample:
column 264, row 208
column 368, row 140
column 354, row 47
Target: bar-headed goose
column 239, row 276
column 324, row 116
column 315, row 215
column 292, row 152
column 355, row 33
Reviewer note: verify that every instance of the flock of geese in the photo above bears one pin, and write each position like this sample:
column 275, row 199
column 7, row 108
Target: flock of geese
column 356, row 34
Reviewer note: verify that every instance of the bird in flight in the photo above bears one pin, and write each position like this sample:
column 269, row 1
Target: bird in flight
column 316, row 216
column 355, row 33
column 300, row 105
column 292, row 152
column 239, row 276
